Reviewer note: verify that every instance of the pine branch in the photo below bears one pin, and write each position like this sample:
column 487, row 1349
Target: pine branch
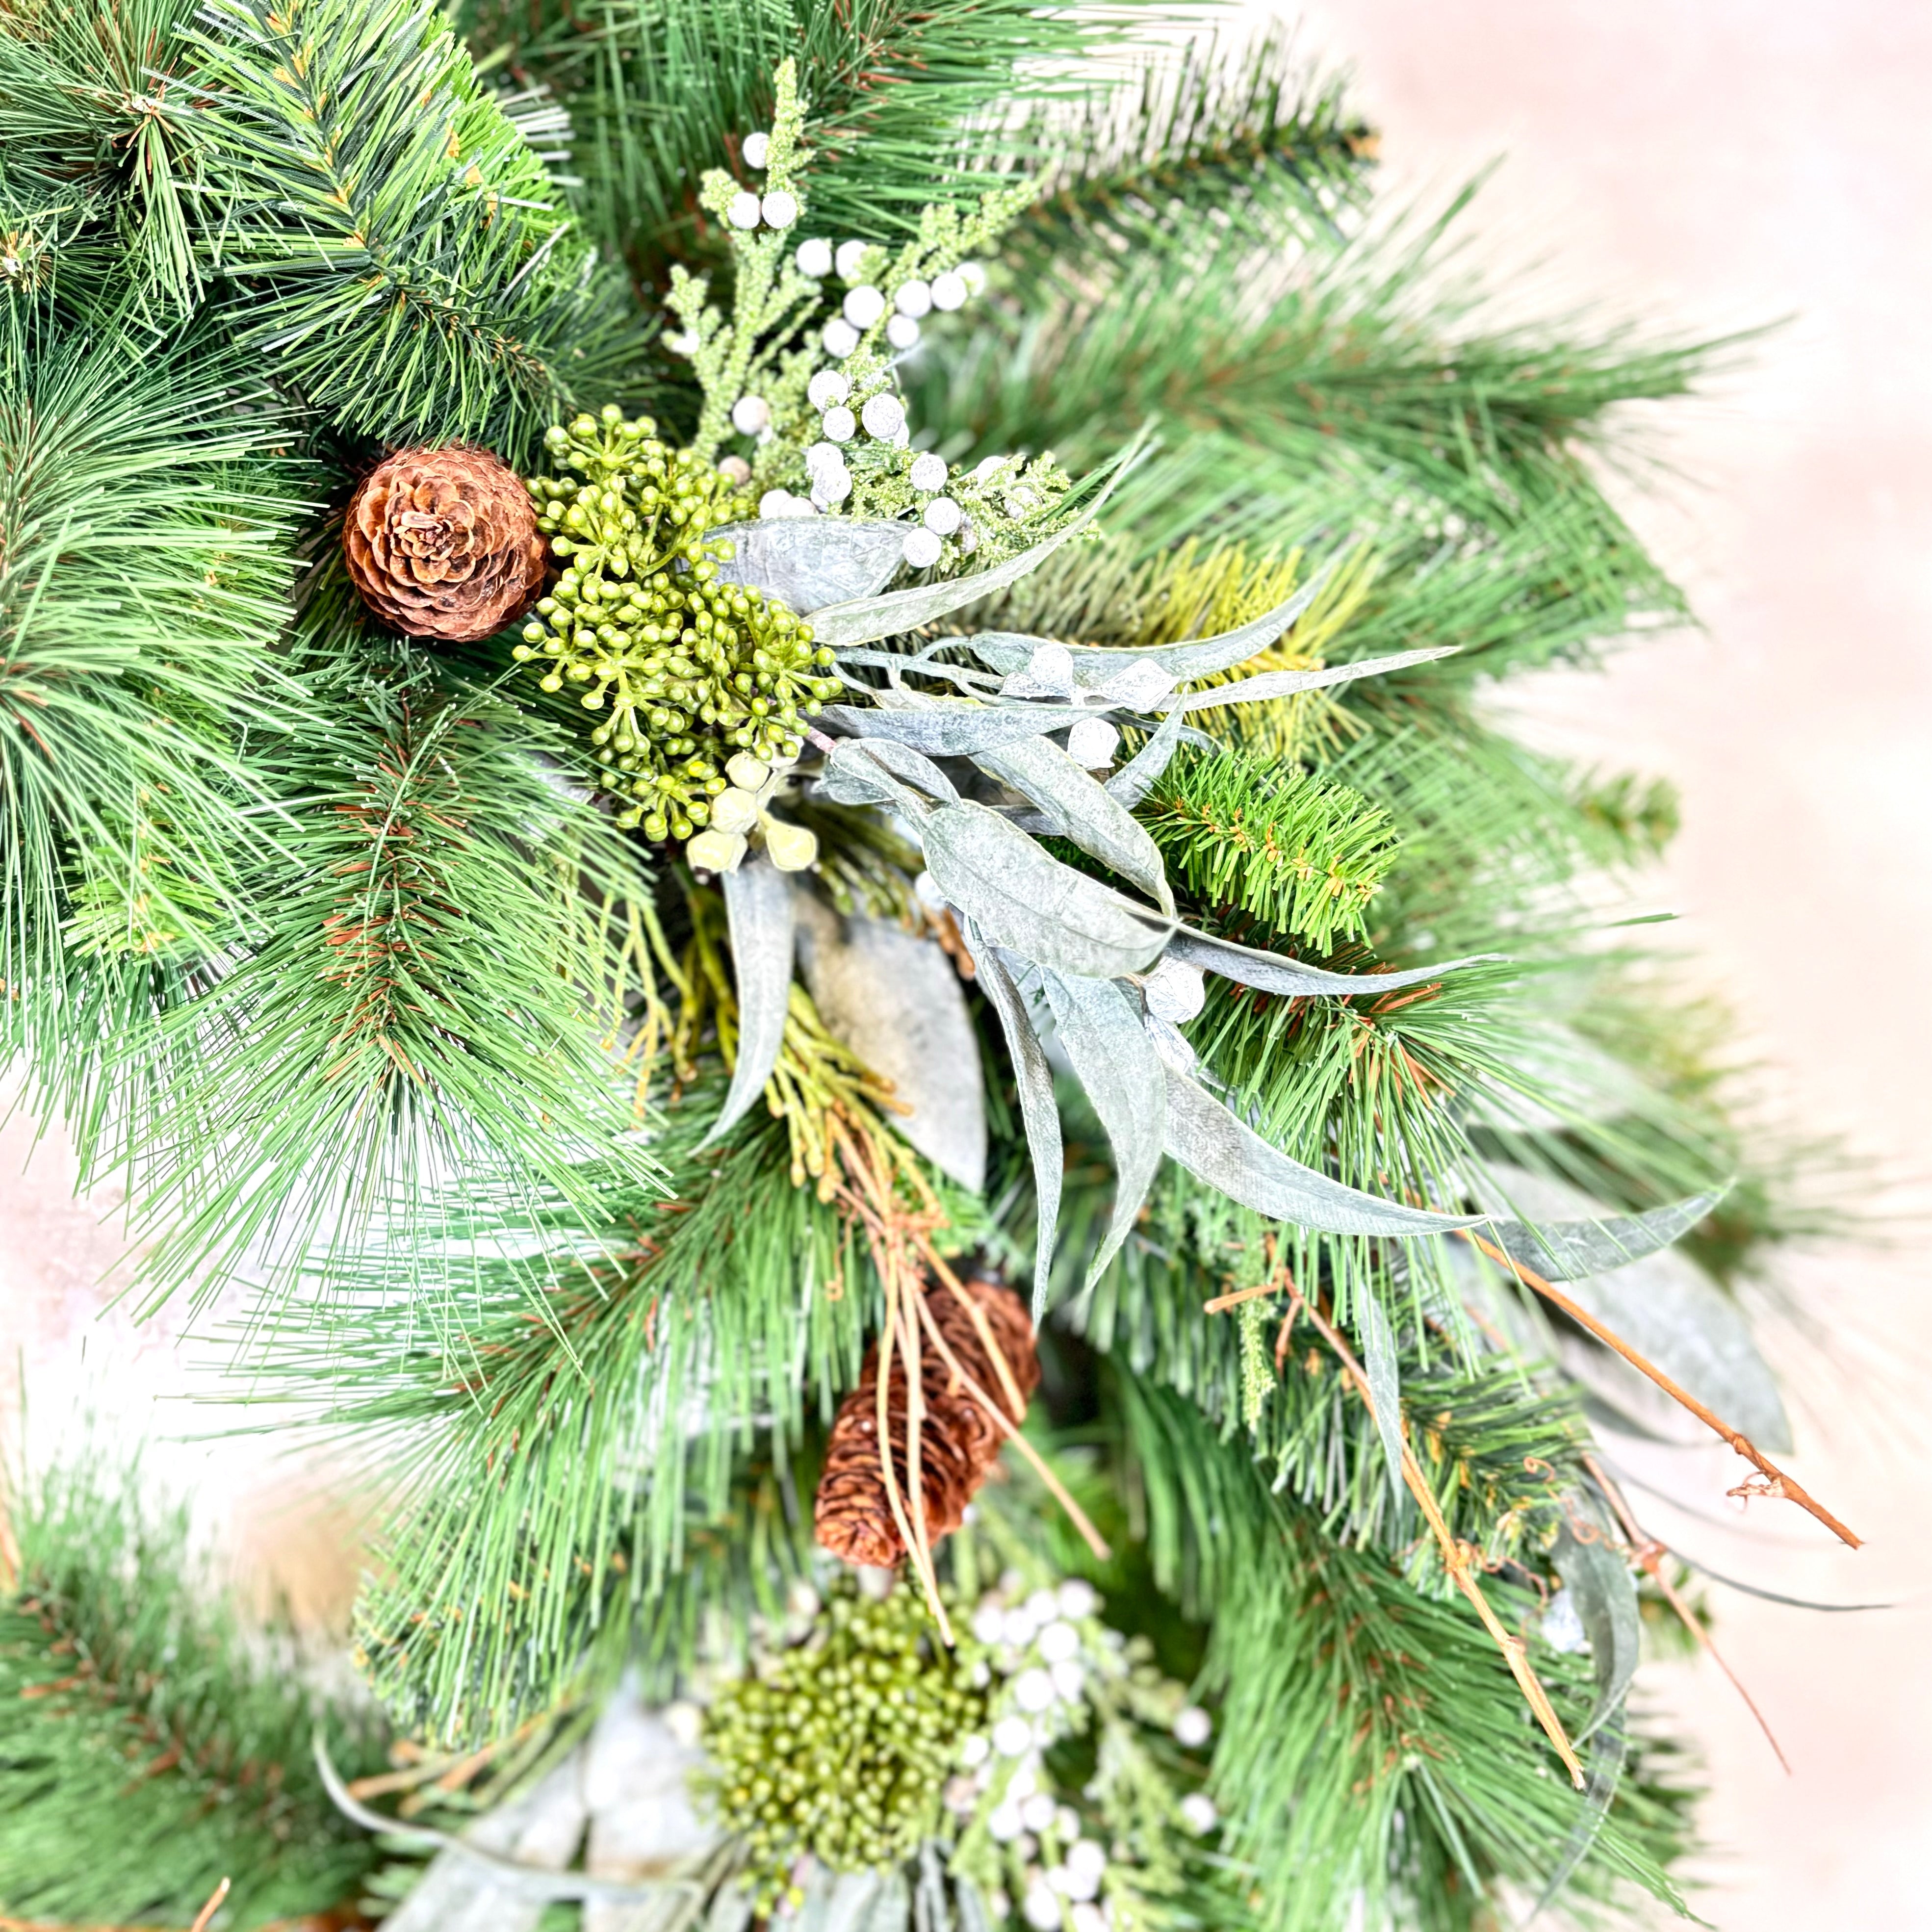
column 150, row 1747
column 408, row 262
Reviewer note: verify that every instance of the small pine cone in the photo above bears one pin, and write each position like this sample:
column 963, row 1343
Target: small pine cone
column 958, row 1440
column 443, row 543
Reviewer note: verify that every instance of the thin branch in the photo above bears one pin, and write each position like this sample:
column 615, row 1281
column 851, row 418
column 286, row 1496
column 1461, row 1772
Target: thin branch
column 1776, row 1482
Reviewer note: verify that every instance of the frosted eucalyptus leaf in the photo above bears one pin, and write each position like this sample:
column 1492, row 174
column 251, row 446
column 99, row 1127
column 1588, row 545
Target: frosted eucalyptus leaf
column 1093, row 665
column 1665, row 1306
column 1083, row 812
column 861, row 771
column 948, row 727
column 1605, row 1593
column 1142, row 772
column 1125, row 1081
column 1207, row 1140
column 807, row 562
column 1039, row 1112
column 1378, row 1361
column 1286, row 683
column 1608, row 1750
column 1027, row 900
column 1568, row 1250
column 1271, row 973
column 758, row 902
column 866, row 619
column 896, row 1001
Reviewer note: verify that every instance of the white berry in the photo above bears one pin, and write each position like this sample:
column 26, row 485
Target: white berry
column 943, row 516
column 757, row 147
column 840, row 338
column 814, row 258
column 863, row 305
column 779, row 209
column 839, row 424
column 827, row 387
column 927, row 471
column 750, row 415
column 974, row 274
column 1093, row 743
column 743, row 212
column 1198, row 1813
column 774, row 503
column 1193, row 1727
column 914, row 298
column 922, row 549
column 883, row 416
column 902, row 332
column 949, row 290
column 850, row 256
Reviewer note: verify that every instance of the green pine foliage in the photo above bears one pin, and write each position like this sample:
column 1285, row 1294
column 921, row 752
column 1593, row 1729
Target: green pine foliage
column 150, row 1745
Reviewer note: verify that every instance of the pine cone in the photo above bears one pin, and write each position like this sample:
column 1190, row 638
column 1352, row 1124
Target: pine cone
column 443, row 543
column 958, row 1442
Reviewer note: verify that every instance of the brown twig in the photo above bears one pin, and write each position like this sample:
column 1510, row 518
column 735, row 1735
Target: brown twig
column 1648, row 1551
column 1455, row 1556
column 209, row 1910
column 1776, row 1482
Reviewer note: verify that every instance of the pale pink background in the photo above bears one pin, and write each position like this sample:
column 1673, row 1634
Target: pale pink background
column 1713, row 164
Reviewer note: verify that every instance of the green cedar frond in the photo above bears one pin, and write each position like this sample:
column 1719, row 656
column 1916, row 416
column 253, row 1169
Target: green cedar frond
column 408, row 262
column 1375, row 1759
column 1303, row 854
column 149, row 1746
column 1225, row 131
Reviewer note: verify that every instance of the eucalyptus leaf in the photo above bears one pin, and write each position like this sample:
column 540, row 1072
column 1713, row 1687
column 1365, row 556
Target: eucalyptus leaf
column 1083, row 812
column 1213, row 1145
column 865, row 620
column 758, row 901
column 1378, row 1360
column 1011, row 651
column 1125, row 1080
column 1023, row 898
column 1604, row 1772
column 1143, row 771
column 1605, row 1593
column 947, row 728
column 1272, row 973
column 895, row 999
column 1039, row 1112
column 1286, row 683
column 1569, row 1250
column 807, row 562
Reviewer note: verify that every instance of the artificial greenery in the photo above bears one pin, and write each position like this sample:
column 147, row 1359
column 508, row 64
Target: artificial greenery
column 369, row 971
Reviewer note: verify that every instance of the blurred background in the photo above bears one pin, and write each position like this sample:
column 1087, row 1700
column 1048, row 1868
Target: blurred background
column 1705, row 168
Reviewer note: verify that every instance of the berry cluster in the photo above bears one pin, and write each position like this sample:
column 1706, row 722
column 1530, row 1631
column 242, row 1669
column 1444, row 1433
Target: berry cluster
column 690, row 668
column 841, row 1748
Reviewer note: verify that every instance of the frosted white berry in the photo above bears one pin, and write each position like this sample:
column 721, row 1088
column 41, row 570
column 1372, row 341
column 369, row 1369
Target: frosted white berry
column 823, row 456
column 743, row 212
column 779, row 209
column 1012, row 1737
column 974, row 274
column 750, row 415
column 814, row 258
column 1033, row 1690
column 1040, row 1908
column 840, row 338
column 1085, row 1856
column 1088, row 1917
column 1058, row 1640
column 1077, row 1599
column 902, row 332
column 1005, row 1823
column 850, row 256
column 927, row 471
column 839, row 424
column 943, row 516
column 987, row 1618
column 774, row 503
column 1093, row 743
column 883, row 416
column 1069, row 1679
column 1038, row 1811
column 989, row 466
column 914, row 298
column 863, row 305
column 949, row 290
column 1198, row 1813
column 922, row 549
column 1193, row 1727
column 975, row 1750
column 827, row 387
column 831, row 486
column 757, row 147
column 735, row 467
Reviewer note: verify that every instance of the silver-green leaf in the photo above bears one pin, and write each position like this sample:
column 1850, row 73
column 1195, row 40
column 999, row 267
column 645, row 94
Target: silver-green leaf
column 807, row 562
column 1208, row 1140
column 1605, row 1593
column 1125, row 1082
column 1272, row 973
column 1083, row 812
column 946, row 727
column 1023, row 898
column 758, row 904
column 1286, row 683
column 1039, row 1112
column 876, row 771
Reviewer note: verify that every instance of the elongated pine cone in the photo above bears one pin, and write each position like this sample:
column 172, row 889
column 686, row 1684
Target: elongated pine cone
column 443, row 543
column 958, row 1441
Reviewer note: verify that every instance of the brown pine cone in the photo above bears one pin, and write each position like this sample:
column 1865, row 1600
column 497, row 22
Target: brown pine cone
column 958, row 1442
column 443, row 543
